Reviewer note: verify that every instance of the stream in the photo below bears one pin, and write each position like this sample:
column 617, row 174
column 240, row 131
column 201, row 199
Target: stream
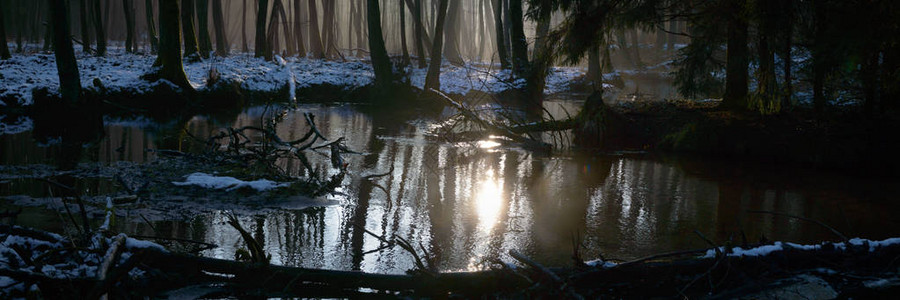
column 469, row 203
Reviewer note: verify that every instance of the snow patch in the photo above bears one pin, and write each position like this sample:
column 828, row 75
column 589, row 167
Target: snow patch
column 780, row 246
column 229, row 183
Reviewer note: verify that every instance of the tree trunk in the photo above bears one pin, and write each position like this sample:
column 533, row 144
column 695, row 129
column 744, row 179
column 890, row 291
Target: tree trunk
column 673, row 27
column 85, row 29
column 766, row 97
column 507, row 32
column 48, row 33
column 542, row 29
column 261, row 44
column 595, row 71
column 169, row 59
column 419, row 41
column 359, row 32
column 405, row 51
column 187, row 29
column 245, row 47
column 451, row 33
column 69, row 80
column 819, row 60
column 328, row 27
column 433, row 77
column 298, row 32
column 517, row 36
column 315, row 41
column 4, row 50
column 501, row 41
column 737, row 61
column 130, row 44
column 100, row 30
column 20, row 23
column 381, row 63
column 288, row 41
column 222, row 46
column 151, row 27
column 203, row 39
column 272, row 32
column 787, row 44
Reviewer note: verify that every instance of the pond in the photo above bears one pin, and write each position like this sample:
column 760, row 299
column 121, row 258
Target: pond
column 469, row 203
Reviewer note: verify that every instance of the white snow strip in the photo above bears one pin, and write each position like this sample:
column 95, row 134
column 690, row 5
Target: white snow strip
column 780, row 246
column 229, row 183
column 600, row 263
column 119, row 71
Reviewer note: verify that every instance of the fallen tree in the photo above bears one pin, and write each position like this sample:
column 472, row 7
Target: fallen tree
column 49, row 264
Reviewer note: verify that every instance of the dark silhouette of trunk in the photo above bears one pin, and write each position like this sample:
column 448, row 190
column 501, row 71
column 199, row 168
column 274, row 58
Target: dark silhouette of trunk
column 272, row 32
column 381, row 63
column 4, row 51
column 262, row 47
column 151, row 27
column 360, row 42
column 328, row 31
column 737, row 61
column 100, row 30
column 507, row 32
column 85, row 29
column 288, row 41
column 498, row 28
column 765, row 75
column 222, row 46
column 786, row 45
column 595, row 71
column 517, row 36
column 315, row 41
column 48, row 33
column 451, row 33
column 606, row 64
column 203, row 40
column 169, row 58
column 130, row 44
column 69, row 80
column 405, row 59
column 542, row 29
column 673, row 27
column 245, row 47
column 298, row 32
column 433, row 77
column 20, row 31
column 187, row 29
column 419, row 40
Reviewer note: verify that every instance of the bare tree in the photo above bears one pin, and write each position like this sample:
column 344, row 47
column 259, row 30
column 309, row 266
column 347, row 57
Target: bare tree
column 187, row 29
column 100, row 30
column 451, row 33
column 433, row 77
column 517, row 36
column 405, row 60
column 261, row 44
column 130, row 44
column 381, row 63
column 222, row 46
column 245, row 47
column 419, row 39
column 203, row 39
column 85, row 29
column 315, row 41
column 4, row 51
column 151, row 27
column 298, row 32
column 66, row 65
column 169, row 58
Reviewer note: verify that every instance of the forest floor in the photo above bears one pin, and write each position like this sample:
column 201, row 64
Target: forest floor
column 121, row 72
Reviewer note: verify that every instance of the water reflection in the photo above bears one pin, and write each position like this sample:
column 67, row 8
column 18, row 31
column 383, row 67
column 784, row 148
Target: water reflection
column 465, row 204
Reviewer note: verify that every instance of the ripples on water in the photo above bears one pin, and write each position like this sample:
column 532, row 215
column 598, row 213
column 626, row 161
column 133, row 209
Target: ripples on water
column 466, row 204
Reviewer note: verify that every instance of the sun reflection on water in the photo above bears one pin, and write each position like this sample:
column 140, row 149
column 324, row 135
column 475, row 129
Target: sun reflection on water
column 488, row 201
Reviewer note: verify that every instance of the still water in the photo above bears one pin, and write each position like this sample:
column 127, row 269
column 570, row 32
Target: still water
column 469, row 203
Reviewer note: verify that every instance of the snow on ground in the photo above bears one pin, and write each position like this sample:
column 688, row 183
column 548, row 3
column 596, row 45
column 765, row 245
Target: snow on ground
column 121, row 71
column 780, row 246
column 229, row 183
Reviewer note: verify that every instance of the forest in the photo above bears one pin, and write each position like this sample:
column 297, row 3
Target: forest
column 449, row 148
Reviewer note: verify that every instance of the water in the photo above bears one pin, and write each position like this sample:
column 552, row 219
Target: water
column 467, row 205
